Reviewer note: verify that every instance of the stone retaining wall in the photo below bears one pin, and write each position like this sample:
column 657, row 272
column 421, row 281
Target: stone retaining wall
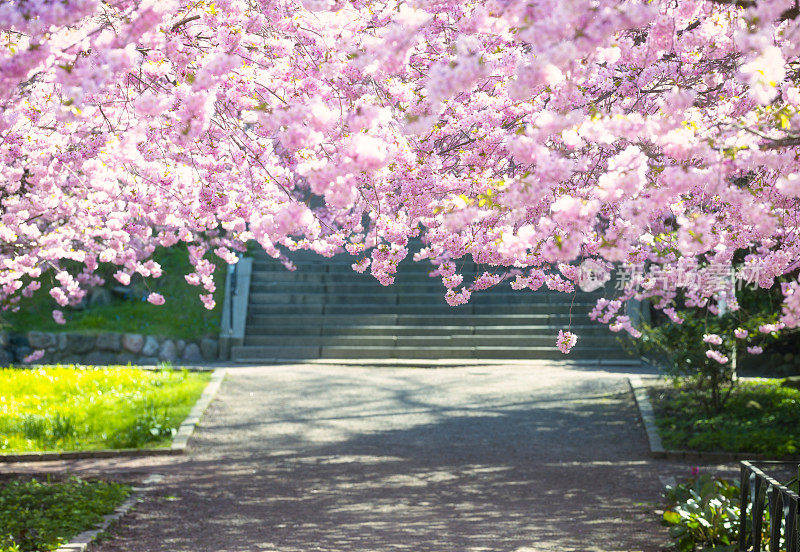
column 106, row 348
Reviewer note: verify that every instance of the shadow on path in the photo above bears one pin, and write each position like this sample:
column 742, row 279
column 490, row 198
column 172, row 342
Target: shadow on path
column 297, row 459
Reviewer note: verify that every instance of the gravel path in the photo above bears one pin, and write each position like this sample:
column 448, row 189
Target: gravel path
column 482, row 458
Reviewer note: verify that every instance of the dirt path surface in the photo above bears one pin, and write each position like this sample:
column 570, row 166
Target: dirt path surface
column 347, row 459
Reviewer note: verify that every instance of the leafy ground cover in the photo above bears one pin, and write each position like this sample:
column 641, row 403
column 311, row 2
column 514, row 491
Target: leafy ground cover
column 759, row 417
column 84, row 408
column 703, row 513
column 182, row 316
column 41, row 515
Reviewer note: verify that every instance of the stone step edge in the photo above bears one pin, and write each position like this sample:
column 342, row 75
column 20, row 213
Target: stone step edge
column 84, row 540
column 434, row 363
column 529, row 327
column 418, row 340
column 409, row 347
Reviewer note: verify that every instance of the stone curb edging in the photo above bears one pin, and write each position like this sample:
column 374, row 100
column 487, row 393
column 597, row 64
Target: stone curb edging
column 647, row 415
column 657, row 448
column 83, row 541
column 179, row 442
column 186, row 429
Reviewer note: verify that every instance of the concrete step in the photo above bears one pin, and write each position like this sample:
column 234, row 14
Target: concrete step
column 389, row 296
column 341, row 277
column 266, row 354
column 450, row 319
column 453, row 340
column 433, row 285
column 421, row 330
column 346, row 266
column 260, row 308
column 325, row 310
column 373, row 287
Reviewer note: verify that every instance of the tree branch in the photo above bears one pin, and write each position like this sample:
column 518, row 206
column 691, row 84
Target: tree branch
column 184, row 21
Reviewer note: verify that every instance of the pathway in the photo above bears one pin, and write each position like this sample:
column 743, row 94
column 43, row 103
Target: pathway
column 478, row 458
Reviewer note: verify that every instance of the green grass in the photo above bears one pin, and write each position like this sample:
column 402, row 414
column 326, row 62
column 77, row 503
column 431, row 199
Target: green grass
column 182, row 316
column 37, row 516
column 83, row 408
column 760, row 417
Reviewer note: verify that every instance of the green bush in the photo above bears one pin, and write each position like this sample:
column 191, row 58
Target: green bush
column 703, row 514
column 760, row 417
column 38, row 516
column 680, row 352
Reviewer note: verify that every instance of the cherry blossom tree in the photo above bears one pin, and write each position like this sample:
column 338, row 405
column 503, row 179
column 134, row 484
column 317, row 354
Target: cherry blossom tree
column 528, row 136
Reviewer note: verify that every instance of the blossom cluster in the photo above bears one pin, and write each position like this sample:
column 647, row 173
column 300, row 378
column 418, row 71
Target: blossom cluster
column 527, row 136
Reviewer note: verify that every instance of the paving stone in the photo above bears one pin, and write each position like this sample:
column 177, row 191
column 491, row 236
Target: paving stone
column 150, row 348
column 147, row 361
column 192, row 353
column 209, row 348
column 21, row 352
column 133, row 342
column 168, row 352
column 42, row 340
column 125, row 357
column 109, row 342
column 100, row 358
column 80, row 343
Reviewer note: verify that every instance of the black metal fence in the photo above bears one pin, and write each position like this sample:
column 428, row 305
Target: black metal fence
column 769, row 509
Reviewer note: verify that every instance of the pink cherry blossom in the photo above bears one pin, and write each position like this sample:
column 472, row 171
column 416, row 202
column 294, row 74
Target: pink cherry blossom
column 717, row 356
column 769, row 328
column 155, row 298
column 566, row 341
column 34, row 356
column 208, row 301
column 525, row 137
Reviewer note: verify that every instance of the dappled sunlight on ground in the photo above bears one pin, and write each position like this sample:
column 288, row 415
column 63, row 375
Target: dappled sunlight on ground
column 507, row 459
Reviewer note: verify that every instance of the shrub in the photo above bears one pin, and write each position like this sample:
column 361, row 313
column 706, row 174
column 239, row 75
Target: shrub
column 37, row 516
column 760, row 417
column 681, row 352
column 703, row 513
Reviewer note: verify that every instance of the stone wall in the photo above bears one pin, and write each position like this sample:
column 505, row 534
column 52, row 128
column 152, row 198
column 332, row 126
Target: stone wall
column 106, row 348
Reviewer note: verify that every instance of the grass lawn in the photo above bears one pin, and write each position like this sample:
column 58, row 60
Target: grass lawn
column 82, row 408
column 760, row 417
column 41, row 515
column 183, row 316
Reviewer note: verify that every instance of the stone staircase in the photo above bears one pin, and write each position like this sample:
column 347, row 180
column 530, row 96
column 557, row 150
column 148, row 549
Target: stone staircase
column 325, row 310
